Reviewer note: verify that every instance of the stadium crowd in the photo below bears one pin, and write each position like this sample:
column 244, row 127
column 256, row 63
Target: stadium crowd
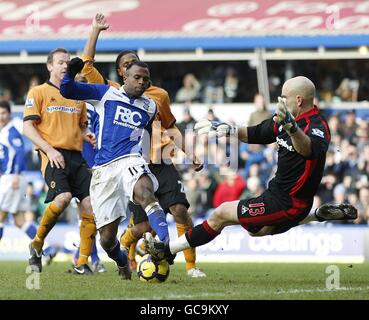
column 218, row 81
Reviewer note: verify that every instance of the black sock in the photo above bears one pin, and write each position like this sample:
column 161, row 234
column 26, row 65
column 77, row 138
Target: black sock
column 201, row 234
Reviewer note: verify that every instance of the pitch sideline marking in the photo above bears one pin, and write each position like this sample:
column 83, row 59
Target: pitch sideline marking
column 220, row 294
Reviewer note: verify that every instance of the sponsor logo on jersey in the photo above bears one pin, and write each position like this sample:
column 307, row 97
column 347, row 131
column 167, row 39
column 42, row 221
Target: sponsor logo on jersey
column 284, row 144
column 127, row 118
column 317, row 132
column 30, row 102
column 65, row 109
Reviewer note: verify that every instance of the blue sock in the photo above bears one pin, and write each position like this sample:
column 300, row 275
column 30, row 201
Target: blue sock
column 30, row 229
column 1, row 230
column 94, row 257
column 118, row 255
column 158, row 221
column 50, row 250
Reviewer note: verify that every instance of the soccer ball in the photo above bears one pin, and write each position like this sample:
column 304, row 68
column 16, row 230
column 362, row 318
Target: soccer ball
column 150, row 271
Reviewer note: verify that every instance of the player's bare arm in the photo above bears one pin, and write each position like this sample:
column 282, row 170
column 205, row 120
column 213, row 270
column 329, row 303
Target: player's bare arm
column 301, row 142
column 88, row 136
column 99, row 24
column 55, row 157
column 179, row 140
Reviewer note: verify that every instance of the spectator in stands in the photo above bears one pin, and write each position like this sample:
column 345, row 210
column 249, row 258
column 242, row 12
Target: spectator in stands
column 251, row 153
column 30, row 213
column 349, row 125
column 190, row 91
column 206, row 189
column 363, row 206
column 230, row 188
column 230, row 85
column 213, row 86
column 253, row 188
column 348, row 90
column 362, row 135
column 363, row 167
column 334, row 125
column 211, row 115
column 188, row 122
column 6, row 95
column 261, row 113
column 326, row 187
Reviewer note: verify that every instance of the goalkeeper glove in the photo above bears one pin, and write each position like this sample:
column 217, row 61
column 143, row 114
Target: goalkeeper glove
column 214, row 128
column 75, row 66
column 284, row 117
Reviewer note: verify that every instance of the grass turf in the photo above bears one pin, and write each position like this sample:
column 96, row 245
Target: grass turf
column 228, row 281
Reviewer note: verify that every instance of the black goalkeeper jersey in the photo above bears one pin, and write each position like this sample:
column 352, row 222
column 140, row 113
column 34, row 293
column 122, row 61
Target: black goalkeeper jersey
column 296, row 176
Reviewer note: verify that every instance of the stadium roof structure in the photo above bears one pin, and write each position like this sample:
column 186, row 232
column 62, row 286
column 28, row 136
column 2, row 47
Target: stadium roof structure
column 180, row 25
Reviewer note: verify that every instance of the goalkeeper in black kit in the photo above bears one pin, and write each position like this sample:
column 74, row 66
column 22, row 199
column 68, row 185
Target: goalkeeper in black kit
column 303, row 138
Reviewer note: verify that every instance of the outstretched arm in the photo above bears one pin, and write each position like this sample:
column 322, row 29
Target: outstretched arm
column 99, row 24
column 91, row 74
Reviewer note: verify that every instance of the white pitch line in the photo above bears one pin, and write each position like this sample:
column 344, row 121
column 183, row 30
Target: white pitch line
column 320, row 290
column 221, row 294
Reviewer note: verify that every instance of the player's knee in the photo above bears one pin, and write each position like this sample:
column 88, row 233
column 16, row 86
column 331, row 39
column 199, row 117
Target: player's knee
column 220, row 214
column 264, row 231
column 86, row 205
column 139, row 229
column 63, row 200
column 144, row 197
column 107, row 241
column 180, row 214
column 143, row 191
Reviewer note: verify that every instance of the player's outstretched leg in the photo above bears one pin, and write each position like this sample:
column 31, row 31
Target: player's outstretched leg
column 342, row 211
column 224, row 215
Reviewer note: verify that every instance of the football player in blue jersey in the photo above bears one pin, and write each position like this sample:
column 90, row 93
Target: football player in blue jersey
column 120, row 171
column 12, row 182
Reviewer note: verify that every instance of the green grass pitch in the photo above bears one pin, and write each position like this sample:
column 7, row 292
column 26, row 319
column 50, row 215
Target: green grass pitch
column 229, row 281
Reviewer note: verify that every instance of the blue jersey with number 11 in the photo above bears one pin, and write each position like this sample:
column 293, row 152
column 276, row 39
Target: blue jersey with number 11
column 122, row 121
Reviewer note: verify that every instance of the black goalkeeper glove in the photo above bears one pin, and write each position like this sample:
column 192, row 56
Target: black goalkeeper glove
column 75, row 66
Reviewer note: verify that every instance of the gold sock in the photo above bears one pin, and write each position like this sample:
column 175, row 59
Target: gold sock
column 127, row 238
column 190, row 253
column 87, row 234
column 48, row 221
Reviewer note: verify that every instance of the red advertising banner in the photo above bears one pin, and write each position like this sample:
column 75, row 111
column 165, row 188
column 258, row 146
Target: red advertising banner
column 30, row 19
